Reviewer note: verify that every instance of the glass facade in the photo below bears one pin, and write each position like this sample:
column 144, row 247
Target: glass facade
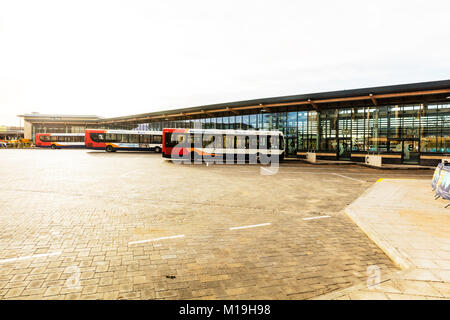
column 407, row 133
column 343, row 132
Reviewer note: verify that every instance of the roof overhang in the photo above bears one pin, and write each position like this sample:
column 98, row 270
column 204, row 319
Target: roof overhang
column 409, row 93
column 432, row 91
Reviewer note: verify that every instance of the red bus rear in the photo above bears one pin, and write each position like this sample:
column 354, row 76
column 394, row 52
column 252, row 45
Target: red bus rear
column 40, row 137
column 91, row 140
column 169, row 145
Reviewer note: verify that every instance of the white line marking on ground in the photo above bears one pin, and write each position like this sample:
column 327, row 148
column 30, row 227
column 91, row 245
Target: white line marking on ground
column 128, row 173
column 340, row 175
column 268, row 172
column 56, row 253
column 353, row 173
column 317, row 217
column 156, row 239
column 251, row 226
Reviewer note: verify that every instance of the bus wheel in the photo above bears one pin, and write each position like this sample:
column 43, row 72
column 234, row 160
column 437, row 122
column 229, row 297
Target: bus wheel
column 53, row 146
column 109, row 149
column 158, row 150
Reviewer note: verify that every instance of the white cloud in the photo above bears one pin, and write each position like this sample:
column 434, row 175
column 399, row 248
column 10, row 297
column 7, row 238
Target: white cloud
column 115, row 58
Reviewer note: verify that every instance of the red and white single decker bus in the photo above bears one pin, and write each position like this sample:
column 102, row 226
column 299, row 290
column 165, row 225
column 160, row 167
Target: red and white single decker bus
column 127, row 140
column 212, row 144
column 60, row 140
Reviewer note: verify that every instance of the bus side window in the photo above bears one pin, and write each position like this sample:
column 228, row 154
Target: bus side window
column 274, row 142
column 178, row 140
column 253, row 142
column 122, row 138
column 241, row 141
column 208, row 141
column 133, row 138
column 229, row 141
column 263, row 142
column 156, row 139
column 197, row 140
column 110, row 137
column 218, row 143
column 168, row 142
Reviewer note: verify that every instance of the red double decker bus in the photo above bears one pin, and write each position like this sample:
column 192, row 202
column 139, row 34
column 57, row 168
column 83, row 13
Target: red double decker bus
column 60, row 140
column 127, row 140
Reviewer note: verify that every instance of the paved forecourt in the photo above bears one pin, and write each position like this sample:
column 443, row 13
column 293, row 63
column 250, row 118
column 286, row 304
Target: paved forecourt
column 413, row 229
column 77, row 224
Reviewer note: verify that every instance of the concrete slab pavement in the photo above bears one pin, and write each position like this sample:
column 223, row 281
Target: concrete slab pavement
column 403, row 219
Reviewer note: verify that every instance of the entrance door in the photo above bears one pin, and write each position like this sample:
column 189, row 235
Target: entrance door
column 410, row 153
column 344, row 149
column 291, row 146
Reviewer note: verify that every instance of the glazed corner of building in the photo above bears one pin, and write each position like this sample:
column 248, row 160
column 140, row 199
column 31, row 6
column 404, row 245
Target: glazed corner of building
column 406, row 123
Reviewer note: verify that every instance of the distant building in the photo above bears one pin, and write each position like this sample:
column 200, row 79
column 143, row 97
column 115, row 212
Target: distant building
column 407, row 123
column 11, row 133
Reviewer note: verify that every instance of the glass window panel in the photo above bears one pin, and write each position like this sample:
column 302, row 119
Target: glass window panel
column 238, row 123
column 253, row 121
column 395, row 146
column 358, row 136
column 282, row 122
column 245, row 122
column 266, row 121
column 219, row 123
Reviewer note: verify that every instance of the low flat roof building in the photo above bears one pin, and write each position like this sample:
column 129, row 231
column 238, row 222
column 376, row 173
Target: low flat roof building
column 55, row 123
column 11, row 133
column 408, row 123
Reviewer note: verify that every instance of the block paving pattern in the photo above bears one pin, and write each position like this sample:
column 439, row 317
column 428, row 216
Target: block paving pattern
column 85, row 207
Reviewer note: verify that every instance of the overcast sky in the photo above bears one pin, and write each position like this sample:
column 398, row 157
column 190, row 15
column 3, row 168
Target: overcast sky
column 115, row 58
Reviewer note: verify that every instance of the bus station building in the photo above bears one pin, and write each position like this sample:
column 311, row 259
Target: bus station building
column 405, row 124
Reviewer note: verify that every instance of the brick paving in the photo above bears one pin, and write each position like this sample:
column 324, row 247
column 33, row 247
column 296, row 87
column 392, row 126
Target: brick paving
column 67, row 218
column 413, row 229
